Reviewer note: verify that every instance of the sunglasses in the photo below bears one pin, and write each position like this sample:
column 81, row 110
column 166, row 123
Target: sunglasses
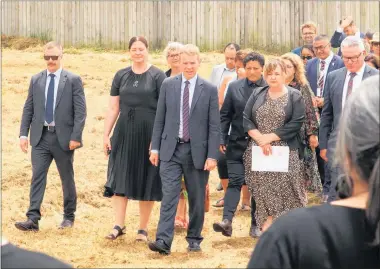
column 47, row 58
column 306, row 57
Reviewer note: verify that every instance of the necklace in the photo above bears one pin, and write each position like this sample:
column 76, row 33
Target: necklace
column 137, row 76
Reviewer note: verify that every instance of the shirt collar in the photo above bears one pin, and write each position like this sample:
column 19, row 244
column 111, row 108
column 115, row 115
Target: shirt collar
column 192, row 81
column 254, row 83
column 329, row 59
column 227, row 69
column 56, row 73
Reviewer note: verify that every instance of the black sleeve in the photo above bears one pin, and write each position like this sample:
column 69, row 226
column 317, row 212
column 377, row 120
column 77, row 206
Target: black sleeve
column 160, row 77
column 248, row 123
column 226, row 116
column 115, row 88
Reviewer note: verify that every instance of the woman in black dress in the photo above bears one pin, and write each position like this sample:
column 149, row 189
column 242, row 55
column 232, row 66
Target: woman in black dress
column 134, row 96
column 345, row 233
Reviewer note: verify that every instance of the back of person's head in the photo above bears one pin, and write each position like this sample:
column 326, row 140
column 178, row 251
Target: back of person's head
column 358, row 147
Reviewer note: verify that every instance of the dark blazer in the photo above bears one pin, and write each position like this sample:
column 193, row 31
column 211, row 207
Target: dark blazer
column 231, row 114
column 332, row 107
column 312, row 70
column 70, row 109
column 204, row 125
column 337, row 38
column 294, row 116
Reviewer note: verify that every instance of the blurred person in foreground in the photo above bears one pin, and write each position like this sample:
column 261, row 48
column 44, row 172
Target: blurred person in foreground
column 55, row 114
column 345, row 233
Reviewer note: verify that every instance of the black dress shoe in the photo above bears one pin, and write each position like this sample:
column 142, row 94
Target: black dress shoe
column 254, row 232
column 159, row 246
column 194, row 247
column 28, row 225
column 224, row 227
column 66, row 224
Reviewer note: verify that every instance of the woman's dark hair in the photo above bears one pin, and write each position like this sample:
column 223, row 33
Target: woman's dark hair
column 137, row 38
column 309, row 47
column 369, row 35
column 254, row 56
column 359, row 145
column 372, row 59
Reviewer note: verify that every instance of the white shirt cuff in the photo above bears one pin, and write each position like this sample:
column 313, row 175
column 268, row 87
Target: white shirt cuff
column 154, row 151
column 23, row 137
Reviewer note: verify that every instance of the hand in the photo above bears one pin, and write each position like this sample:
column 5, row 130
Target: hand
column 267, row 149
column 346, row 22
column 314, row 101
column 210, row 164
column 106, row 145
column 222, row 149
column 154, row 158
column 24, row 144
column 264, row 139
column 323, row 154
column 313, row 141
column 150, row 146
column 74, row 144
column 320, row 101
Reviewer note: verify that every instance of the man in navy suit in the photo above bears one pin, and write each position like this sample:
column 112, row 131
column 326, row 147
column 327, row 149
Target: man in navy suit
column 347, row 27
column 339, row 85
column 317, row 70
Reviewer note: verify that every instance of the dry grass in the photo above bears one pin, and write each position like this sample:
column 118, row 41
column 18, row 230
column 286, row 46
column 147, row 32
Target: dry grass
column 84, row 245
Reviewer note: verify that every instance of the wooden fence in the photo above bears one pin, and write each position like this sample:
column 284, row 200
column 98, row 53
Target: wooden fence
column 269, row 25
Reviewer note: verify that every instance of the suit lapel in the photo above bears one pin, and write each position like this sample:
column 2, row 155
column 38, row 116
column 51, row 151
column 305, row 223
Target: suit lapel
column 61, row 86
column 331, row 66
column 367, row 72
column 197, row 92
column 177, row 95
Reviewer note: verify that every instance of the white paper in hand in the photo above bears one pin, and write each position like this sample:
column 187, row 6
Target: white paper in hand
column 278, row 161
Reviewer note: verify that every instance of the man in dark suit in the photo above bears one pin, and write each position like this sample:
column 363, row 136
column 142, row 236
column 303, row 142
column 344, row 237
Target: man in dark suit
column 339, row 85
column 347, row 27
column 317, row 70
column 55, row 113
column 231, row 114
column 185, row 140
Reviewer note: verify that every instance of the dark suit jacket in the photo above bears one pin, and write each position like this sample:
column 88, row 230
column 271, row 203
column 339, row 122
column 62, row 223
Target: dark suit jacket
column 332, row 107
column 70, row 109
column 312, row 70
column 337, row 39
column 204, row 125
column 231, row 114
column 294, row 117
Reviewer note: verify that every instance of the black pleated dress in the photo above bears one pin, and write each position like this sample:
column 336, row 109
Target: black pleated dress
column 130, row 173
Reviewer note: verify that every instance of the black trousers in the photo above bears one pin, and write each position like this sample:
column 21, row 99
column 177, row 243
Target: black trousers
column 42, row 155
column 195, row 180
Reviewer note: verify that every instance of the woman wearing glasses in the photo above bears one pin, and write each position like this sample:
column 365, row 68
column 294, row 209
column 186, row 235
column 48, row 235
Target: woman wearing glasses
column 295, row 78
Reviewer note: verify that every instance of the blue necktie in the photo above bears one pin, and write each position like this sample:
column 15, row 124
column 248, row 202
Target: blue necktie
column 49, row 116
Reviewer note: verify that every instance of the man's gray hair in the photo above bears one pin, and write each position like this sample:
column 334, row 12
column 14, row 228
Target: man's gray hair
column 172, row 46
column 53, row 44
column 353, row 41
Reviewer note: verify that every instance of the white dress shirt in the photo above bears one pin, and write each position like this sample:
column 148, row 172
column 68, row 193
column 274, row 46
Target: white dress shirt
column 219, row 72
column 56, row 82
column 356, row 82
column 191, row 94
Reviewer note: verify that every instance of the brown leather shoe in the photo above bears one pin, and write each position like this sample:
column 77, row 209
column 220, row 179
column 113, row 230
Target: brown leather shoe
column 224, row 227
column 66, row 224
column 28, row 225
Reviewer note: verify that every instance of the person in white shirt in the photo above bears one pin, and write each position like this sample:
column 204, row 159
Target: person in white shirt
column 339, row 86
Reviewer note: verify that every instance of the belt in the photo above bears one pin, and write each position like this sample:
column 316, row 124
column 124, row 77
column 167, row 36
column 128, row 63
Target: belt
column 181, row 141
column 50, row 129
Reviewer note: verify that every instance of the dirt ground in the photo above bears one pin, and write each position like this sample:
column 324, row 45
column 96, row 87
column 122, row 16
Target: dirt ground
column 85, row 246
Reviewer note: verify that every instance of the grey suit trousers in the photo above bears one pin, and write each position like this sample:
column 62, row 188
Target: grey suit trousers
column 195, row 182
column 42, row 155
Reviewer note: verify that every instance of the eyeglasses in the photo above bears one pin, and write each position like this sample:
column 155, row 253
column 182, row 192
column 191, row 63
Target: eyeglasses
column 306, row 57
column 353, row 59
column 173, row 55
column 47, row 58
column 321, row 47
column 309, row 33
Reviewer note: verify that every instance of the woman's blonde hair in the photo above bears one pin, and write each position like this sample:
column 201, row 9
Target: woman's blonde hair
column 272, row 65
column 172, row 46
column 299, row 68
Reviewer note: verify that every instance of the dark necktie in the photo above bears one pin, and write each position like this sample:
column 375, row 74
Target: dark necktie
column 350, row 84
column 49, row 117
column 321, row 77
column 185, row 113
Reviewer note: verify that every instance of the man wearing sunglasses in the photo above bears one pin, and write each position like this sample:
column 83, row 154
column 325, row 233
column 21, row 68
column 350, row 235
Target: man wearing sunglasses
column 317, row 70
column 55, row 113
column 338, row 87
